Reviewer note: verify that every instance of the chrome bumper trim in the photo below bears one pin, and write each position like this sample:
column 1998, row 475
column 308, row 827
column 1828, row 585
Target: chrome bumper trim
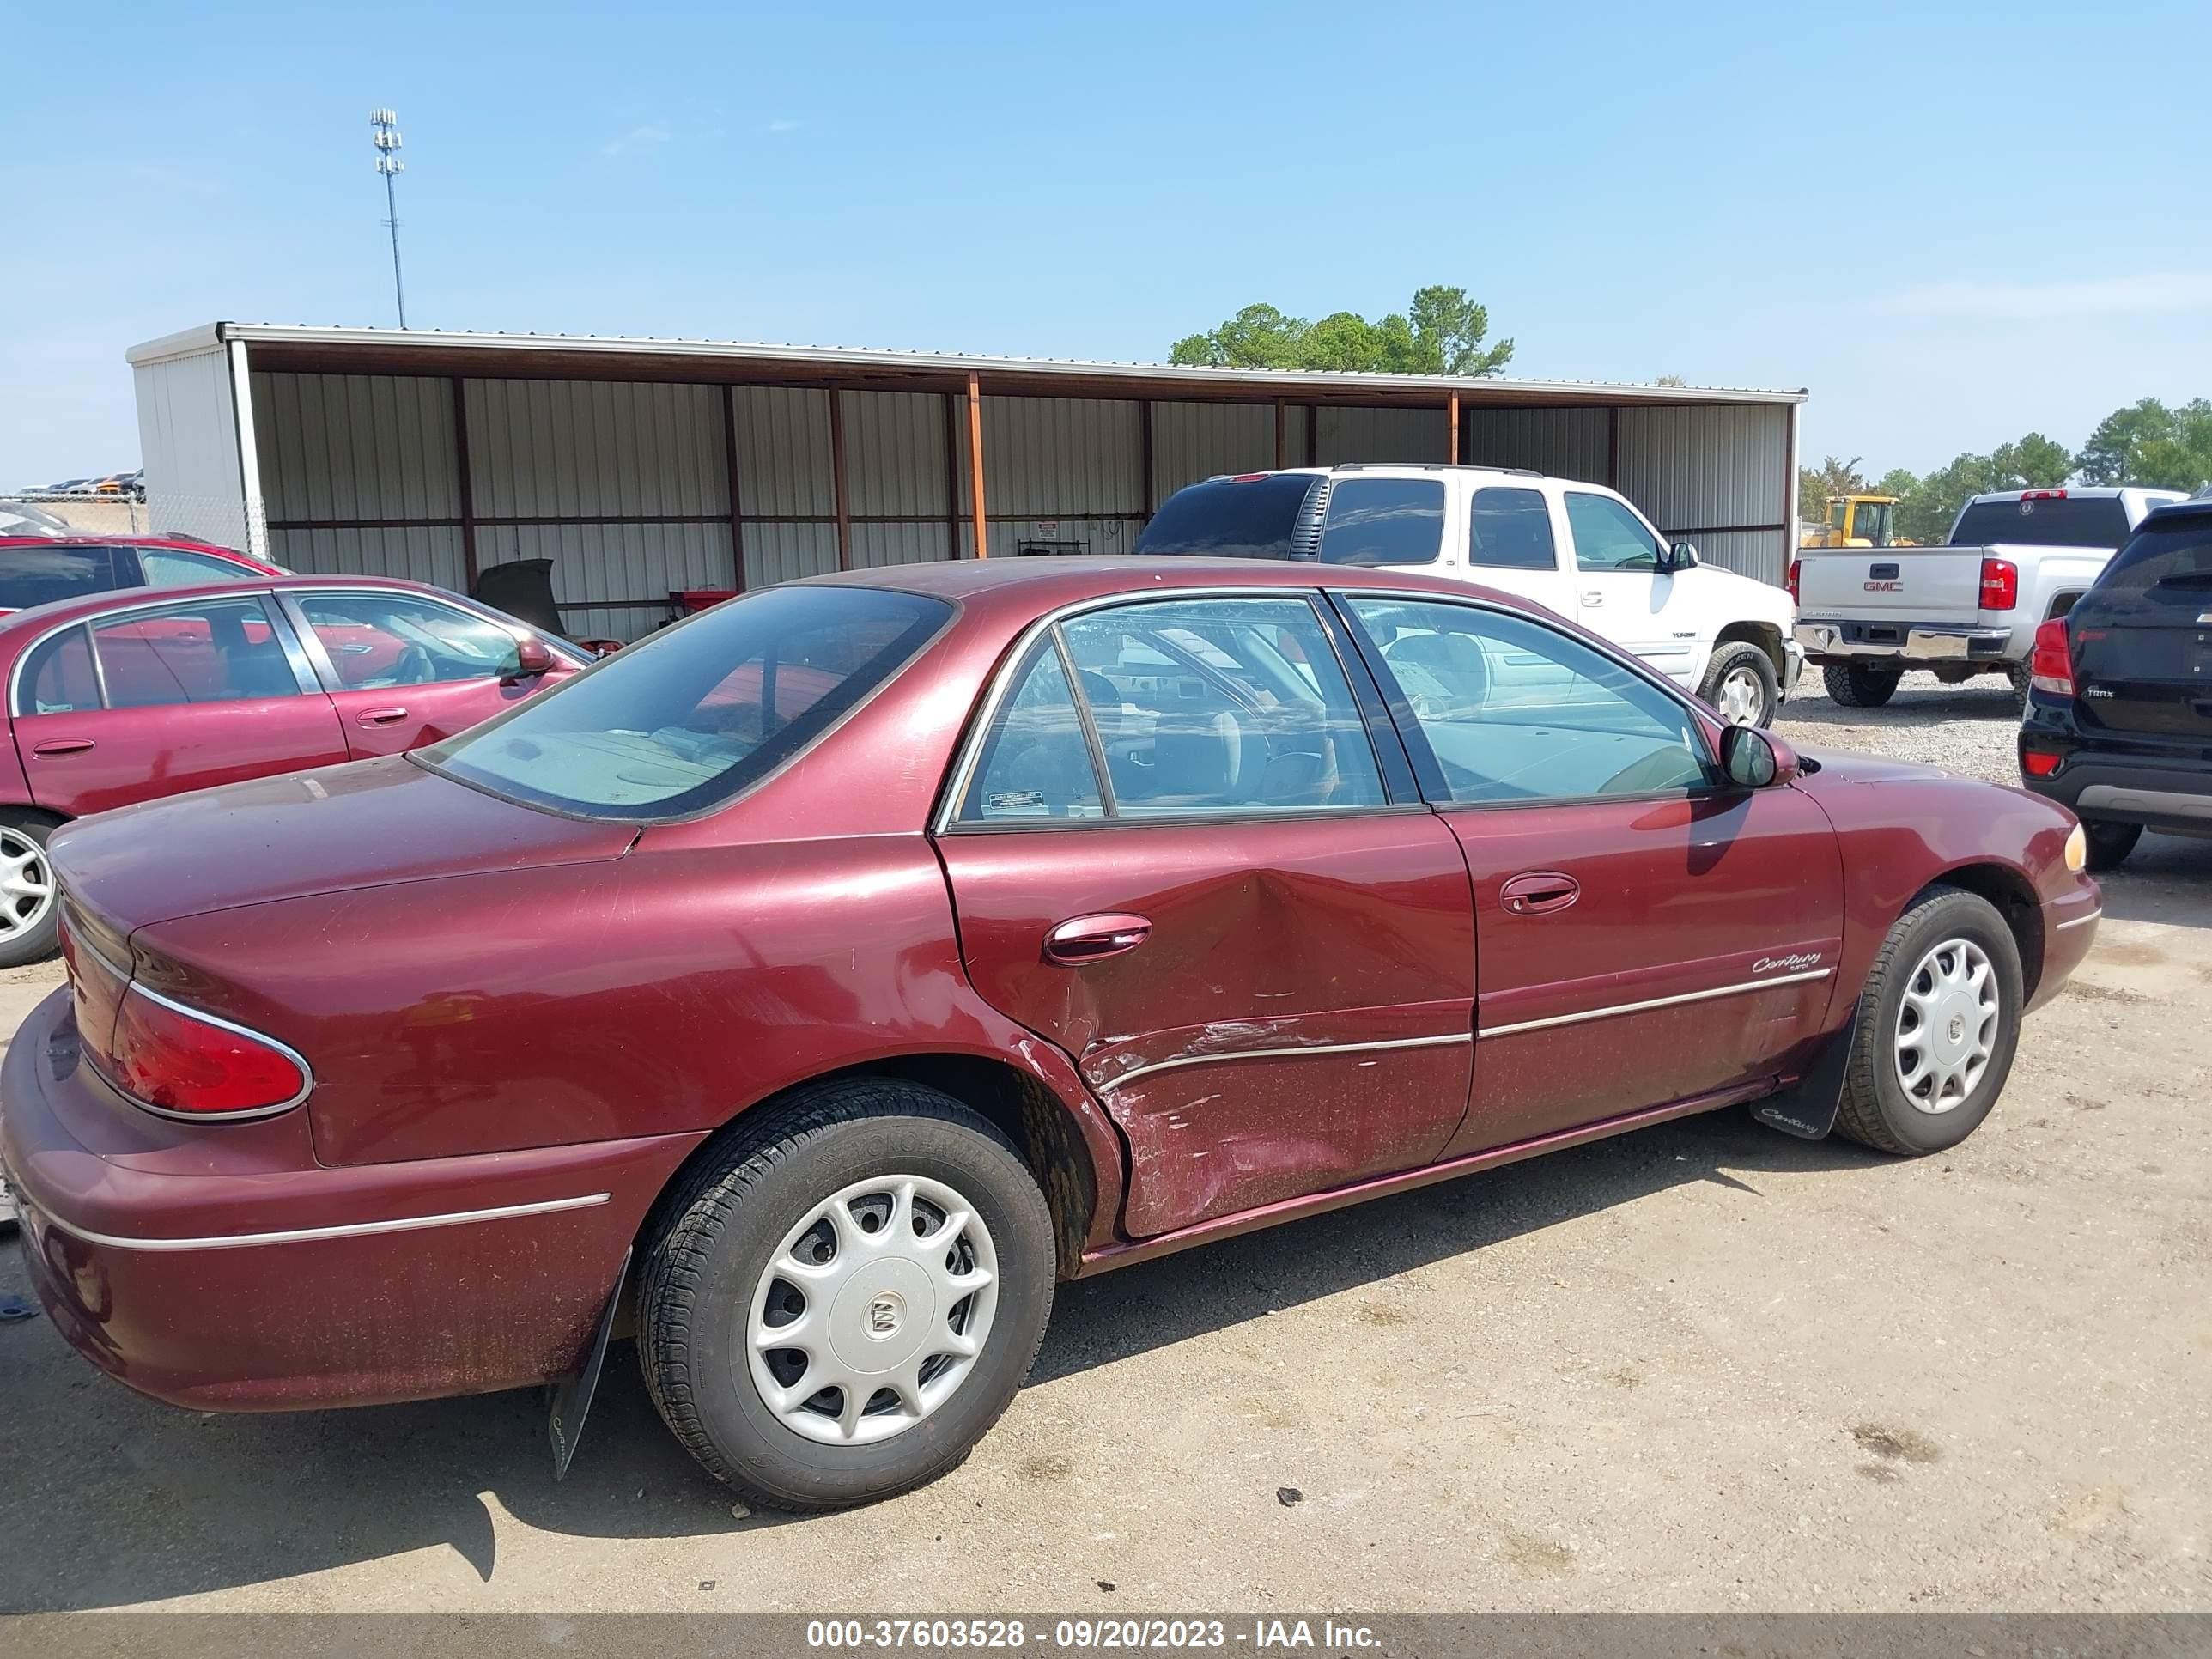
column 1654, row 1002
column 302, row 1235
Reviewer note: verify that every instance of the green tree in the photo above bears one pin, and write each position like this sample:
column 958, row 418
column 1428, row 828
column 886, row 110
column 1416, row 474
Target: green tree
column 1441, row 332
column 1897, row 481
column 1817, row 485
column 2148, row 443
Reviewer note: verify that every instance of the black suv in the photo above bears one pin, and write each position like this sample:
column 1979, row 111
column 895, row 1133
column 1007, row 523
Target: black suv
column 2119, row 710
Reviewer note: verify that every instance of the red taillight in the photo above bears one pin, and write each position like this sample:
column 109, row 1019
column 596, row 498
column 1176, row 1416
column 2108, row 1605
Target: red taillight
column 1248, row 477
column 174, row 1061
column 2043, row 495
column 2050, row 668
column 2040, row 765
column 1795, row 565
column 1999, row 584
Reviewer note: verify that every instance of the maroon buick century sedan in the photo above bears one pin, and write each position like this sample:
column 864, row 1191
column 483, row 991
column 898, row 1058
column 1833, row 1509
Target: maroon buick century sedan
column 818, row 982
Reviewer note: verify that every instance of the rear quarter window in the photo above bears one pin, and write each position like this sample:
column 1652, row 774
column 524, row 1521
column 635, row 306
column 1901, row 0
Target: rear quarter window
column 2176, row 554
column 1231, row 518
column 39, row 575
column 2076, row 521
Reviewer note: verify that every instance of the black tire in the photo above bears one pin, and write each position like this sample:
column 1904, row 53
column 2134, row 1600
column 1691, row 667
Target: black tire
column 1740, row 655
column 2022, row 677
column 719, row 1232
column 1860, row 688
column 2110, row 843
column 41, row 938
column 1876, row 1110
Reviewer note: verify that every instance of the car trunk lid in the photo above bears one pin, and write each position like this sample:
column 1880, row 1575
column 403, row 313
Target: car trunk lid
column 367, row 824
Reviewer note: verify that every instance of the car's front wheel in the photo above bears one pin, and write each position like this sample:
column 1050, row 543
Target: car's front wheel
column 841, row 1305
column 1740, row 684
column 1938, row 1021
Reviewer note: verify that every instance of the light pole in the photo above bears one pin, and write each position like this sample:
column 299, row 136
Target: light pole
column 384, row 133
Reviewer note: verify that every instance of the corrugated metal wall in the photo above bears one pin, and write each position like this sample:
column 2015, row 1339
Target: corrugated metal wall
column 188, row 445
column 626, row 487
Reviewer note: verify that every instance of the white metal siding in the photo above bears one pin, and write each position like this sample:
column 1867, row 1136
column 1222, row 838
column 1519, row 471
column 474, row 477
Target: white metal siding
column 1565, row 443
column 425, row 554
column 894, row 444
column 354, row 446
column 1384, row 434
column 1056, row 457
column 581, row 449
column 1192, row 441
column 783, row 552
column 1702, row 470
column 188, row 445
column 783, row 453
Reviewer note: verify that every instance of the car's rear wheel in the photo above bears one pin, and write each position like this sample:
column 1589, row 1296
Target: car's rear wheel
column 30, row 902
column 1860, row 688
column 2110, row 843
column 1938, row 1021
column 838, row 1307
column 1740, row 684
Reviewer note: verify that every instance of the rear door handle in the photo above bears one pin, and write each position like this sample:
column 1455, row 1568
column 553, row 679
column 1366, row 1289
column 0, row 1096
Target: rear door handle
column 1539, row 893
column 1093, row 939
column 62, row 746
column 379, row 716
column 1593, row 598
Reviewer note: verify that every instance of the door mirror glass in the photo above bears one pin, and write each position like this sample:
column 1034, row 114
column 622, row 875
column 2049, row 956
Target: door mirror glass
column 530, row 658
column 1749, row 757
column 1682, row 555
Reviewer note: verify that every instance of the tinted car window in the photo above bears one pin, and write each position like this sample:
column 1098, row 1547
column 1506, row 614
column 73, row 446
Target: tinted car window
column 1608, row 536
column 1375, row 521
column 689, row 717
column 167, row 567
column 1514, row 711
column 39, row 575
column 57, row 676
column 2172, row 553
column 197, row 651
column 1511, row 529
column 391, row 639
column 2075, row 521
column 1206, row 707
column 1226, row 519
column 1036, row 761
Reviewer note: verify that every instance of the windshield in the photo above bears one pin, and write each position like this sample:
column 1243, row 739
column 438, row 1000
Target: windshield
column 2051, row 521
column 1230, row 519
column 2171, row 553
column 1870, row 524
column 687, row 719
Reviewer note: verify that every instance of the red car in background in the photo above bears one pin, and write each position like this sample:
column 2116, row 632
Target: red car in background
column 43, row 569
column 132, row 694
column 951, row 930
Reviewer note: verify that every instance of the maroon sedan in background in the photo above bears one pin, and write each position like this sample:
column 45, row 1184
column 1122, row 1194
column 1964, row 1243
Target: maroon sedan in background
column 43, row 569
column 953, row 930
column 128, row 695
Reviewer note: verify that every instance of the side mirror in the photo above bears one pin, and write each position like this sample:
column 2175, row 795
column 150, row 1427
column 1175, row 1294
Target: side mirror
column 531, row 659
column 1682, row 555
column 1754, row 759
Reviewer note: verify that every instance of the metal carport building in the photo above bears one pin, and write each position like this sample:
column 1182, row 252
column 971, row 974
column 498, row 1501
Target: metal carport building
column 642, row 466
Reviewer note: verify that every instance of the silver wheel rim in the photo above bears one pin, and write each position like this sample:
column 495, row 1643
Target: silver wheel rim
column 1947, row 1026
column 26, row 884
column 1740, row 697
column 874, row 1310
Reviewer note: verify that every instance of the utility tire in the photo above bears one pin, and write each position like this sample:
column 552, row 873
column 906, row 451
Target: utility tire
column 1877, row 1108
column 2110, row 843
column 1752, row 672
column 709, row 1270
column 1860, row 688
column 30, row 898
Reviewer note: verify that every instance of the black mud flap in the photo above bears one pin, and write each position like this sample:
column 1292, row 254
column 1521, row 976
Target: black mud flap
column 572, row 1394
column 1808, row 1108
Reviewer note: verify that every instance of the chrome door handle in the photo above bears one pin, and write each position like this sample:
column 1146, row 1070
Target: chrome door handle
column 1540, row 893
column 379, row 716
column 1093, row 939
column 1593, row 598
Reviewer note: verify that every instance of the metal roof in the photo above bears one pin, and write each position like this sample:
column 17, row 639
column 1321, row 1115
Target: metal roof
column 598, row 356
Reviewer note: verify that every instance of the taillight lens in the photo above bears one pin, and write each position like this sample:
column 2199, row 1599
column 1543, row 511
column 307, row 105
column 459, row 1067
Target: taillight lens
column 1999, row 584
column 2050, row 668
column 174, row 1060
column 1795, row 565
column 2038, row 764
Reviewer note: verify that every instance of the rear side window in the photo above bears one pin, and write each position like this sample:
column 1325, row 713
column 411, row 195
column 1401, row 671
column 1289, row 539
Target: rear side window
column 2074, row 521
column 686, row 719
column 1511, row 529
column 1375, row 521
column 2177, row 555
column 59, row 678
column 39, row 575
column 194, row 651
column 1231, row 518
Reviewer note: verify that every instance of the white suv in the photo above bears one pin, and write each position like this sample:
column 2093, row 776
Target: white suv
column 1579, row 548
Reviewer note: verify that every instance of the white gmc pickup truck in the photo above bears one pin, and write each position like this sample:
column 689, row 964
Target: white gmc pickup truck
column 1580, row 549
column 2014, row 559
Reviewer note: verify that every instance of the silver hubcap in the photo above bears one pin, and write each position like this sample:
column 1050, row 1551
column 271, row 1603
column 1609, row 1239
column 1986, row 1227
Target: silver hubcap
column 1947, row 1027
column 26, row 885
column 873, row 1309
column 1742, row 699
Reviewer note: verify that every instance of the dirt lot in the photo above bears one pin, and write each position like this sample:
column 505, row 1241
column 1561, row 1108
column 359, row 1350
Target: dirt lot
column 1700, row 1368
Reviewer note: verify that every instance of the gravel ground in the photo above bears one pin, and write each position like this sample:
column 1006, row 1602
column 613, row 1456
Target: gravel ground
column 1701, row 1368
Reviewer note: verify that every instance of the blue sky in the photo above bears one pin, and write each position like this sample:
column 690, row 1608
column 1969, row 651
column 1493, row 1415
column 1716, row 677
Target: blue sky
column 1970, row 248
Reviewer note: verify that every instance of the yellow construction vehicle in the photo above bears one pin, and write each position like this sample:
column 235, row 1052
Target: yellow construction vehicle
column 1853, row 522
